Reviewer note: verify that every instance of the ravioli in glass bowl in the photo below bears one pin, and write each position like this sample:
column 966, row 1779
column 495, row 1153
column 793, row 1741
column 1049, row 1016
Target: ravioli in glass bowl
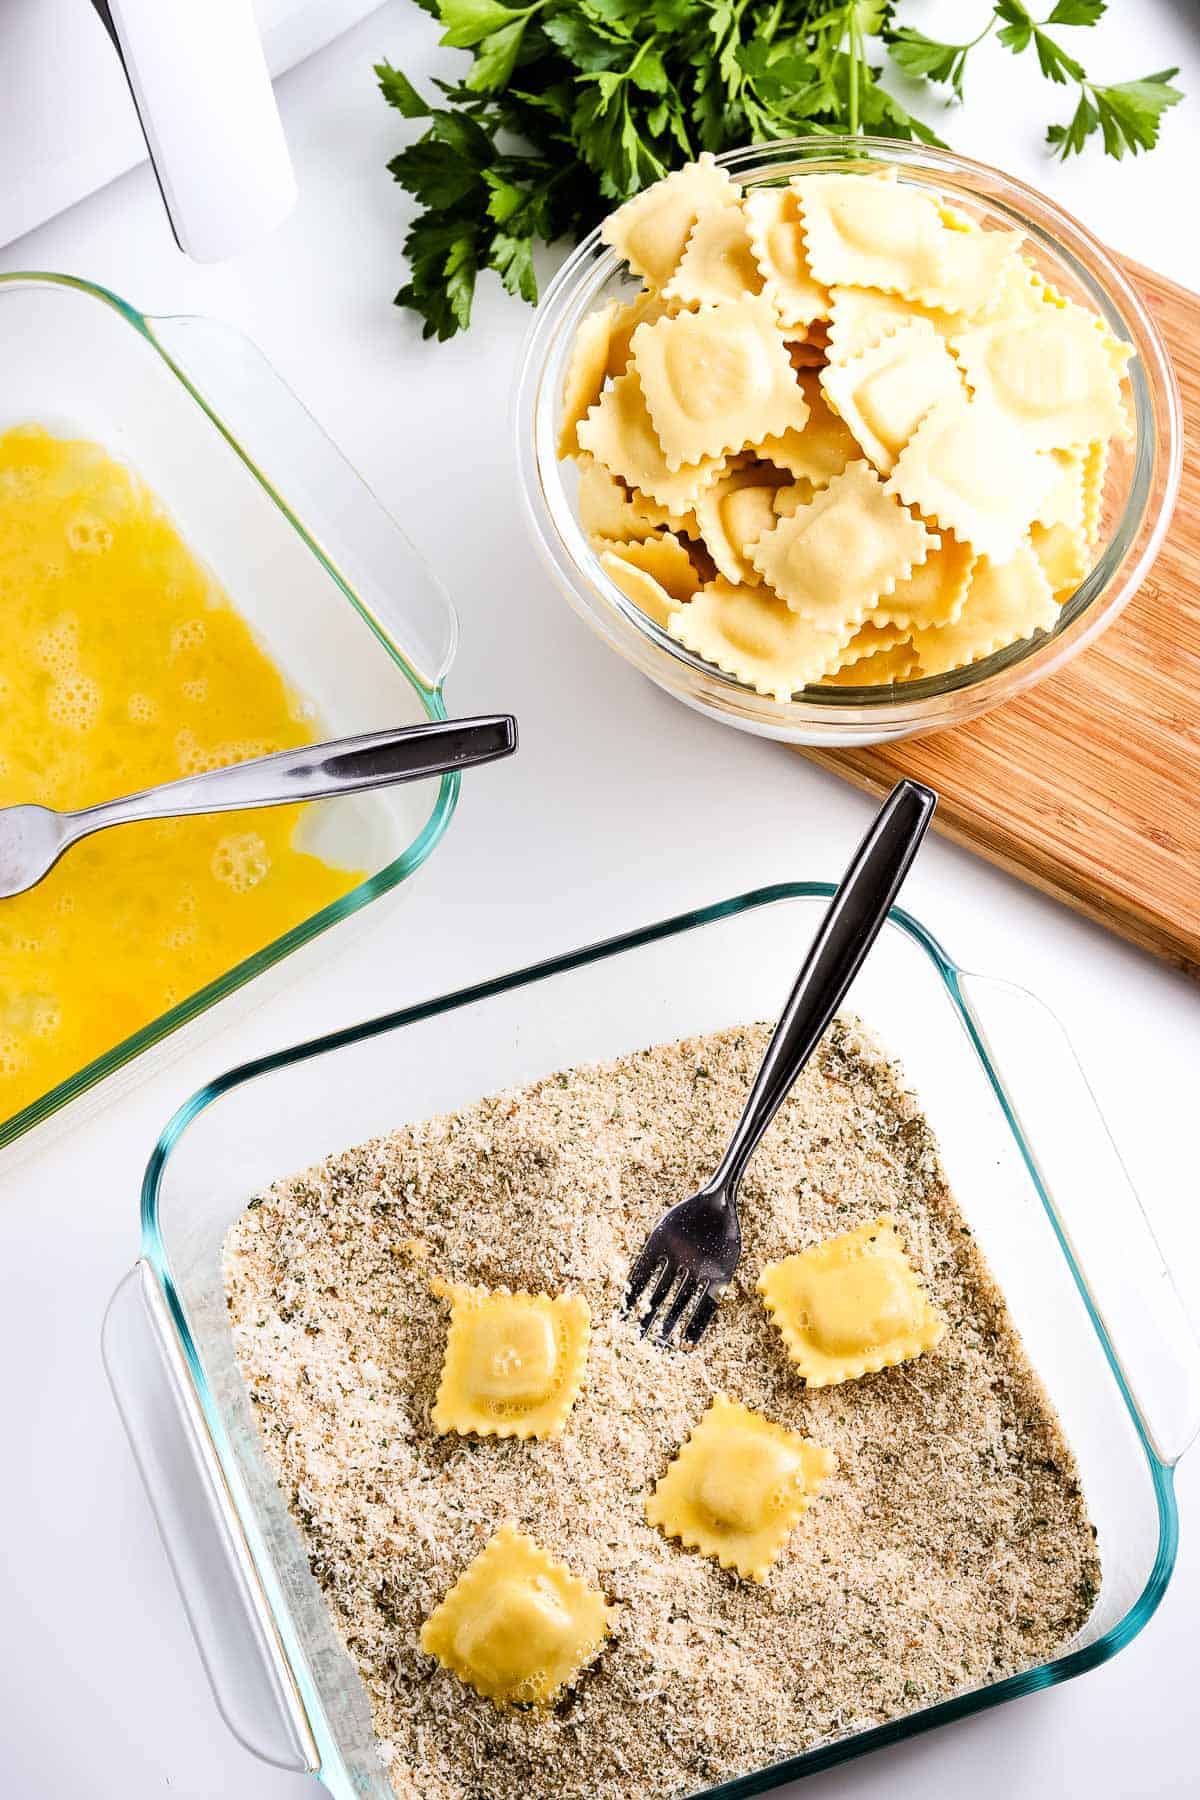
column 842, row 445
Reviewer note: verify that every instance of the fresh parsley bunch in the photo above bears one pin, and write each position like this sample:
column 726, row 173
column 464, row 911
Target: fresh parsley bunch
column 572, row 105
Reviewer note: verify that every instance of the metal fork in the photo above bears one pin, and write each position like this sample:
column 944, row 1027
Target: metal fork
column 32, row 838
column 692, row 1252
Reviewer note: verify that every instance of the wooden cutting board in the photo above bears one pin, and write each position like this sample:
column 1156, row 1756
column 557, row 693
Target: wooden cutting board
column 1089, row 787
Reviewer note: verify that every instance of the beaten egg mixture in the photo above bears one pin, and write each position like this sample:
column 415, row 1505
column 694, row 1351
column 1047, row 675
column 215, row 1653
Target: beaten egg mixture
column 123, row 664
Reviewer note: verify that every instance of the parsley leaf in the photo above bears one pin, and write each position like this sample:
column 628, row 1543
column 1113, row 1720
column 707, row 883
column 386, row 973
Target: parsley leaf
column 1069, row 140
column 438, row 181
column 1016, row 33
column 497, row 58
column 399, row 92
column 919, row 55
column 469, row 22
column 442, row 259
column 1130, row 112
column 1077, row 12
column 1054, row 61
column 512, row 259
column 570, row 106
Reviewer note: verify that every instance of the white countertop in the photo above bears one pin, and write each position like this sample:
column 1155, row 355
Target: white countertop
column 620, row 808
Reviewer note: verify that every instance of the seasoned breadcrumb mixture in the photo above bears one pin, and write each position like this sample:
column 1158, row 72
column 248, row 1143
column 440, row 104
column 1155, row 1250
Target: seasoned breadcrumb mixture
column 951, row 1546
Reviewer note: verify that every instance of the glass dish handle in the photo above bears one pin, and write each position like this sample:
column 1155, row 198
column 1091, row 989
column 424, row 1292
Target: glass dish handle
column 228, row 1612
column 1095, row 1208
column 329, row 503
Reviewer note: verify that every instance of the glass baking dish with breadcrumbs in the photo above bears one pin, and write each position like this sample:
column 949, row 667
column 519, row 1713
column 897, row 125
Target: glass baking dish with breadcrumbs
column 1039, row 1189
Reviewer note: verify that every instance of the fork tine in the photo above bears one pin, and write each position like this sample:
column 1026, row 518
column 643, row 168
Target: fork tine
column 662, row 1287
column 689, row 1287
column 648, row 1262
column 701, row 1319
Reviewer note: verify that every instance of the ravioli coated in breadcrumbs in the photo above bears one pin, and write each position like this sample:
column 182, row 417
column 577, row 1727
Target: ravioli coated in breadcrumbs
column 514, row 1362
column 851, row 1305
column 517, row 1626
column 737, row 1487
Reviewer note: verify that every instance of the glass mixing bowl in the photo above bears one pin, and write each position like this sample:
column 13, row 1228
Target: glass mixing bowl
column 1143, row 473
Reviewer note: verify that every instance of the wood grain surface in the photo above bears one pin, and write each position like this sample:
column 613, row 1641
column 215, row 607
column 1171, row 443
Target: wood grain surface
column 1089, row 787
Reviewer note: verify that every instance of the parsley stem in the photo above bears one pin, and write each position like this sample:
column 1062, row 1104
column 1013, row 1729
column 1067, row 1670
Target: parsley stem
column 855, row 59
column 986, row 32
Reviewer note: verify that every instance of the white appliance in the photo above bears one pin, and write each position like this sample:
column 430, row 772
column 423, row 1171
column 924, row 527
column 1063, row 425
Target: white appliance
column 86, row 88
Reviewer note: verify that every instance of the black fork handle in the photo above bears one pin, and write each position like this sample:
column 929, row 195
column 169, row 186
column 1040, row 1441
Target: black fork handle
column 855, row 918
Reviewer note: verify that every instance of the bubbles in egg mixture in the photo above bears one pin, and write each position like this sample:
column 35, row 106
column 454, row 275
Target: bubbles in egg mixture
column 74, row 702
column 26, row 1020
column 56, row 648
column 44, row 1015
column 196, row 758
column 188, row 636
column 89, row 536
column 241, row 860
column 141, row 709
column 112, row 635
column 181, row 937
column 19, row 481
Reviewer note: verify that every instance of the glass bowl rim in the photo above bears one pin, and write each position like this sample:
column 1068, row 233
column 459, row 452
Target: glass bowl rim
column 928, row 703
column 1064, row 1667
column 432, row 701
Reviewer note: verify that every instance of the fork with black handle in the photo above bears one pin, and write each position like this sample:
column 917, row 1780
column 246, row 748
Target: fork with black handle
column 687, row 1262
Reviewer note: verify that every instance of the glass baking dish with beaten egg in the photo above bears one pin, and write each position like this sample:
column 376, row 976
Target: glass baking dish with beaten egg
column 300, row 578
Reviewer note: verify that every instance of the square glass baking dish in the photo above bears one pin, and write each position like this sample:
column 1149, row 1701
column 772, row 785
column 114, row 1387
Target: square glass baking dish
column 1027, row 1153
column 301, row 545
